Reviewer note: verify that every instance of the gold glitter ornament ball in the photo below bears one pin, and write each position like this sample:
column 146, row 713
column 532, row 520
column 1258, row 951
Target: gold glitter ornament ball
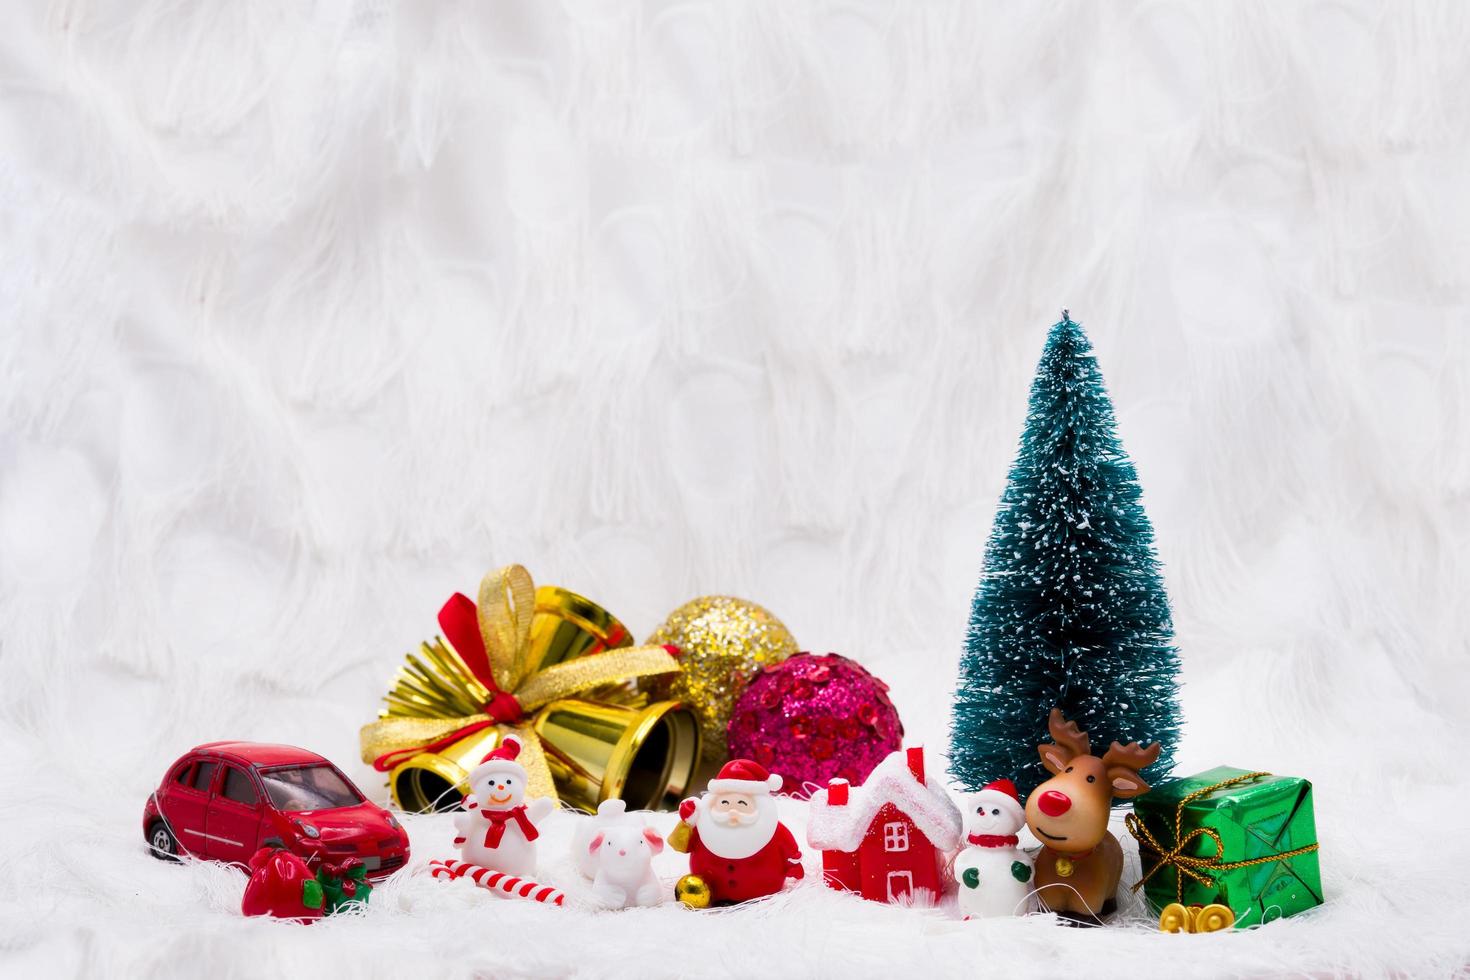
column 723, row 643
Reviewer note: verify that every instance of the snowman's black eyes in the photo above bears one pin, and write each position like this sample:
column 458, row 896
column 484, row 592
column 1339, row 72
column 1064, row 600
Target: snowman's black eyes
column 995, row 813
column 981, row 811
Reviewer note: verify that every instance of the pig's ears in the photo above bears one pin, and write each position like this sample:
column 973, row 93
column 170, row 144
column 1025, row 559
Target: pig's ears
column 596, row 843
column 655, row 842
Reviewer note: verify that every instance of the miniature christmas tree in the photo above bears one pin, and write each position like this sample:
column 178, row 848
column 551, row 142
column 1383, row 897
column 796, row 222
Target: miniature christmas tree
column 1071, row 610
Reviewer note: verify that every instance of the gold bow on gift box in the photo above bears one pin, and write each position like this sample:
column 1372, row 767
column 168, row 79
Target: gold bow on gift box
column 513, row 662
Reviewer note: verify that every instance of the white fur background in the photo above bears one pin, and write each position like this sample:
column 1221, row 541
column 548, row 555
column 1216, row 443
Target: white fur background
column 314, row 312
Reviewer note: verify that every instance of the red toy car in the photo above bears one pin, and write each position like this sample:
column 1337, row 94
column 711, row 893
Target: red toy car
column 226, row 800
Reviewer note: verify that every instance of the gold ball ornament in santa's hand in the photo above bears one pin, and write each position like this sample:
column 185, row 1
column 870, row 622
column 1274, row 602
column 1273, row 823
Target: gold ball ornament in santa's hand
column 723, row 642
column 692, row 891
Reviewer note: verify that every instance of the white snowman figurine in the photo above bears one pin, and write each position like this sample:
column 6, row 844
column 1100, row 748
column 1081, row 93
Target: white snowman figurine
column 994, row 874
column 497, row 828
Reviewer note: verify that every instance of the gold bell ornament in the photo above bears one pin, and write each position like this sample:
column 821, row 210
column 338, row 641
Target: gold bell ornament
column 723, row 642
column 554, row 668
column 1178, row 917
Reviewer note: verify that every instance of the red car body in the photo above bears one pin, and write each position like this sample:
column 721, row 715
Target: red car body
column 225, row 800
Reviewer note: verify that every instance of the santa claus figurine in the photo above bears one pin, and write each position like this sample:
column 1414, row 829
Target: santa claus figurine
column 738, row 849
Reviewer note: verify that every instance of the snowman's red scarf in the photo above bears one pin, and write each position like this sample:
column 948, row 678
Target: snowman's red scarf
column 499, row 818
column 994, row 840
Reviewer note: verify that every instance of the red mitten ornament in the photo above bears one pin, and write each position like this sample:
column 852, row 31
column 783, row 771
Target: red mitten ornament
column 282, row 886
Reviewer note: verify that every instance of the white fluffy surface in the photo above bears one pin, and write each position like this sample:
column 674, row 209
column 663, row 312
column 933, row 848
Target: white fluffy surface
column 313, row 312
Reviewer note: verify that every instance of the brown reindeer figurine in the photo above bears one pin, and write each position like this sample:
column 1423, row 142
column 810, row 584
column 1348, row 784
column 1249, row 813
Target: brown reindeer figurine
column 1080, row 862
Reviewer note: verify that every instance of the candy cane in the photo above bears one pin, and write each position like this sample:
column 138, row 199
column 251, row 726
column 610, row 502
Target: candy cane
column 497, row 881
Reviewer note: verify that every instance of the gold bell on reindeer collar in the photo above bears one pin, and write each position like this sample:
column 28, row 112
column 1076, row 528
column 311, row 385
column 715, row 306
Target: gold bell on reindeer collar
column 551, row 666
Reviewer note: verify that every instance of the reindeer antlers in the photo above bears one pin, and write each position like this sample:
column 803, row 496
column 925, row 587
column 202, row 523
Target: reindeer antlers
column 1131, row 756
column 1066, row 733
column 1072, row 742
column 1121, row 762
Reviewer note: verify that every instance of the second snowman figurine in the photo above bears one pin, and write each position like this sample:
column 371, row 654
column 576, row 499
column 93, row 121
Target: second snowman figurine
column 993, row 873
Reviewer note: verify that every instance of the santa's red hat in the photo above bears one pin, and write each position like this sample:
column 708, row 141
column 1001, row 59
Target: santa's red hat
column 1001, row 793
column 501, row 760
column 744, row 776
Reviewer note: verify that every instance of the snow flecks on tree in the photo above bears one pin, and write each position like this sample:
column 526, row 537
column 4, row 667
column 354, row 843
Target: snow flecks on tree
column 1071, row 610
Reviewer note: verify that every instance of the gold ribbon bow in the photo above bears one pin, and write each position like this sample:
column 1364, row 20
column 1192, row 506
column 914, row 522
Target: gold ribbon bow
column 1201, row 869
column 487, row 680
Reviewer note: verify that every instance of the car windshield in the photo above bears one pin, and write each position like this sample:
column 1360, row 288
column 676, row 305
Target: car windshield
column 308, row 788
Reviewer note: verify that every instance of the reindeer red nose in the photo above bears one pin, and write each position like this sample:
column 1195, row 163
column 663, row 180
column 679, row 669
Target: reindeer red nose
column 1054, row 804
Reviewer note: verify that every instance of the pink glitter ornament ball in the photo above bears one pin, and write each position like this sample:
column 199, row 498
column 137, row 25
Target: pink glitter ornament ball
column 814, row 717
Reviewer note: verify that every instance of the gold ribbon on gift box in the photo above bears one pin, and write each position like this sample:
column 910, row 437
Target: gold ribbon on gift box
column 551, row 666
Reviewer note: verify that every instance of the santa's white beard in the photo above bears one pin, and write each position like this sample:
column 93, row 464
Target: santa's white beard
column 742, row 841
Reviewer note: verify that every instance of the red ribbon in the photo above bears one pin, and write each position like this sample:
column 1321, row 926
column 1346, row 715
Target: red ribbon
column 388, row 760
column 499, row 818
column 994, row 840
column 460, row 621
column 342, row 870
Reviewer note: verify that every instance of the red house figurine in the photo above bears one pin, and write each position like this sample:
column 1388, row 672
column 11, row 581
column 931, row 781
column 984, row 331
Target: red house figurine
column 886, row 839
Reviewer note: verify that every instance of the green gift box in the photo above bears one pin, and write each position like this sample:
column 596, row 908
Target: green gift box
column 1231, row 837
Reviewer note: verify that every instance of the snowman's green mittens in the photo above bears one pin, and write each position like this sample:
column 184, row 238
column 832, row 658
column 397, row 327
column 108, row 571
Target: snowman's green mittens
column 311, row 893
column 971, row 877
column 1020, row 870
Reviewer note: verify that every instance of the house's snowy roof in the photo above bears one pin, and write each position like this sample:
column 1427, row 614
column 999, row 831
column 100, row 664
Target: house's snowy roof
column 841, row 828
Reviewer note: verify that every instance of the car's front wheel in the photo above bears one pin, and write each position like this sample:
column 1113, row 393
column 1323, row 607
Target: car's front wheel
column 162, row 843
